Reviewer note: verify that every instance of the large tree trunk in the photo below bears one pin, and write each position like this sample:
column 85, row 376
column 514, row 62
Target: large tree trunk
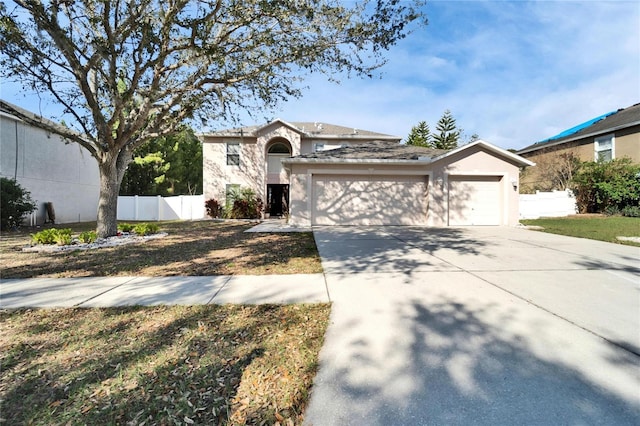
column 111, row 174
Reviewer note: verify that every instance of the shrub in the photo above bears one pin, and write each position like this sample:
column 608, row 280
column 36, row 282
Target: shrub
column 125, row 227
column 15, row 203
column 63, row 236
column 46, row 236
column 87, row 237
column 214, row 209
column 631, row 211
column 242, row 203
column 604, row 186
column 143, row 229
column 52, row 236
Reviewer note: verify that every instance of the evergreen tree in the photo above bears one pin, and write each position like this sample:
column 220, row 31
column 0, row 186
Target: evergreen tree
column 420, row 135
column 449, row 133
column 168, row 165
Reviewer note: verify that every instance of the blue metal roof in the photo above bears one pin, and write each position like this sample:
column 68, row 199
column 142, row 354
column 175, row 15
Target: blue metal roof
column 577, row 128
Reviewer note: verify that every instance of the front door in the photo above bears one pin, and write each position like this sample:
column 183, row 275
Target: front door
column 277, row 199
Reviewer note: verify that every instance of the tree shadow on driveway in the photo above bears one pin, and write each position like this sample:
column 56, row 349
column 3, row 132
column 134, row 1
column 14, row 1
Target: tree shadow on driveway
column 456, row 363
column 391, row 249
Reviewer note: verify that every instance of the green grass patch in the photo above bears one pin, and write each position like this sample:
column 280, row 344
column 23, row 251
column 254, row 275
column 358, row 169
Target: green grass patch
column 229, row 365
column 602, row 228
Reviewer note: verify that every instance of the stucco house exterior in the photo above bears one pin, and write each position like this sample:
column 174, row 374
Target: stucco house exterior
column 52, row 170
column 323, row 174
column 612, row 135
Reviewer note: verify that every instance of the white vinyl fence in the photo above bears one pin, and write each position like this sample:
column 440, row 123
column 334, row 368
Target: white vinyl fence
column 186, row 207
column 547, row 204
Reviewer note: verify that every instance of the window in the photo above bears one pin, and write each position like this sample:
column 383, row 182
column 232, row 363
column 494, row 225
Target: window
column 318, row 147
column 233, row 154
column 604, row 147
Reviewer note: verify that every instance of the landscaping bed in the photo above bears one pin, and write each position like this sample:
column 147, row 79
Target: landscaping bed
column 190, row 248
column 230, row 365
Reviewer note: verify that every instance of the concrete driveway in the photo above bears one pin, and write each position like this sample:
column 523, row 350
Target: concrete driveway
column 488, row 325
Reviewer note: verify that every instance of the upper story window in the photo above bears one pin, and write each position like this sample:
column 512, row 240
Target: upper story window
column 279, row 148
column 318, row 147
column 604, row 148
column 233, row 154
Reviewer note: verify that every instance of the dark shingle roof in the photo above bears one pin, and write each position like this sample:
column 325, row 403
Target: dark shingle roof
column 623, row 118
column 376, row 150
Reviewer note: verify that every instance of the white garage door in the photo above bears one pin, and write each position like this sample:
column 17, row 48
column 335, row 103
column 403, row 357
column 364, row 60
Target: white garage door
column 475, row 200
column 369, row 200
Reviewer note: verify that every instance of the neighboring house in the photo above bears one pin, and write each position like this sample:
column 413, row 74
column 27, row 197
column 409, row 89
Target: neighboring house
column 612, row 135
column 366, row 179
column 53, row 171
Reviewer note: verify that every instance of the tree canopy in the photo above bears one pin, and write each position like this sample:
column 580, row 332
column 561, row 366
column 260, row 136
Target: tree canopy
column 128, row 71
column 449, row 135
column 168, row 165
column 420, row 135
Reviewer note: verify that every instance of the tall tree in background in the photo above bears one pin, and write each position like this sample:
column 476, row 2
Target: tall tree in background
column 420, row 135
column 169, row 165
column 129, row 71
column 449, row 134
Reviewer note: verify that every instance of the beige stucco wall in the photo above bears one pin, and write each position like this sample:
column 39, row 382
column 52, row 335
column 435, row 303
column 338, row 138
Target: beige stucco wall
column 472, row 162
column 627, row 144
column 51, row 170
column 252, row 171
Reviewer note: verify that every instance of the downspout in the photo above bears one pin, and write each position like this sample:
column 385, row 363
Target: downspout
column 15, row 173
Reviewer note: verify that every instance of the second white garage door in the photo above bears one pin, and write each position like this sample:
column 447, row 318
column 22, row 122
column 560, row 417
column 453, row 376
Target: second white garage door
column 369, row 200
column 475, row 200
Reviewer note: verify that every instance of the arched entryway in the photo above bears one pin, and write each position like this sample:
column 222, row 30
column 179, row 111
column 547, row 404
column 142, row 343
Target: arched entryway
column 277, row 178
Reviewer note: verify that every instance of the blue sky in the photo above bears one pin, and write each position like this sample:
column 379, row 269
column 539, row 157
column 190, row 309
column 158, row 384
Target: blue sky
column 513, row 72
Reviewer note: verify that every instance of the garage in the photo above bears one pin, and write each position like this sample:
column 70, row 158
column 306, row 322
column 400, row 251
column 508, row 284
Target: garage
column 393, row 184
column 475, row 200
column 369, row 200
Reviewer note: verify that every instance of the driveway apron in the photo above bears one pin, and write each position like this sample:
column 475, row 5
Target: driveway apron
column 488, row 325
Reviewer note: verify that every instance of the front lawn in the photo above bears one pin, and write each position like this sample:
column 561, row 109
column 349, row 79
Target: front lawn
column 594, row 227
column 229, row 365
column 191, row 248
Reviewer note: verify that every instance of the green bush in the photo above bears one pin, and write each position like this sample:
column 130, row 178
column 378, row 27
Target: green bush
column 88, row 237
column 52, row 236
column 15, row 203
column 607, row 186
column 631, row 211
column 143, row 229
column 242, row 203
column 125, row 227
column 63, row 236
column 46, row 236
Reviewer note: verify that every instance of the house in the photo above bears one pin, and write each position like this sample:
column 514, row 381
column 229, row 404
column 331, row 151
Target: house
column 608, row 136
column 51, row 169
column 365, row 178
column 251, row 156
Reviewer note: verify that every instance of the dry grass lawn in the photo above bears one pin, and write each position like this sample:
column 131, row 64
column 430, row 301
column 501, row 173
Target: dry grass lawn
column 221, row 365
column 191, row 248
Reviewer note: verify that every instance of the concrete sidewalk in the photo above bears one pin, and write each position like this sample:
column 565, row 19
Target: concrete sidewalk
column 127, row 291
